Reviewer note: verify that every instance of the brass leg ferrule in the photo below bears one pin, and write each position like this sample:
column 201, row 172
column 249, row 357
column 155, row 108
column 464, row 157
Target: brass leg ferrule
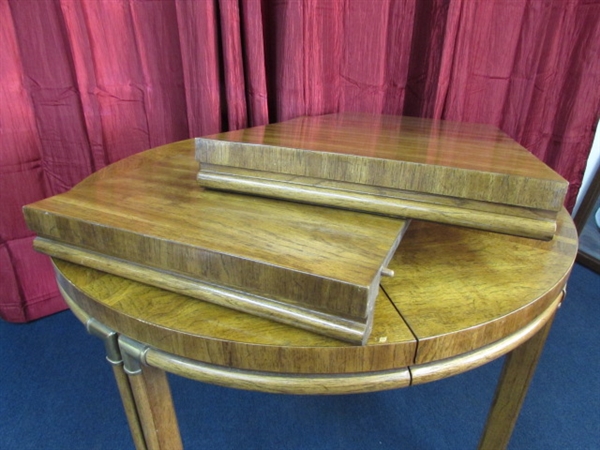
column 110, row 338
column 133, row 354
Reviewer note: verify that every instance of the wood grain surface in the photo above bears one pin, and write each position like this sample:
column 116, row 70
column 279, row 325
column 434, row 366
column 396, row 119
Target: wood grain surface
column 148, row 210
column 207, row 332
column 479, row 287
column 440, row 164
column 455, row 291
column 356, row 330
column 457, row 299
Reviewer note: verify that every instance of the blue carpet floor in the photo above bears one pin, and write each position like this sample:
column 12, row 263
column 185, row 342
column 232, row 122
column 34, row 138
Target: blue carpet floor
column 57, row 392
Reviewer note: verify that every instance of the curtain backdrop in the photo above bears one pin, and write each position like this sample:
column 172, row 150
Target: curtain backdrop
column 86, row 83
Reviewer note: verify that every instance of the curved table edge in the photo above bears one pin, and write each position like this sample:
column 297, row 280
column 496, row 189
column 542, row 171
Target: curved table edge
column 330, row 384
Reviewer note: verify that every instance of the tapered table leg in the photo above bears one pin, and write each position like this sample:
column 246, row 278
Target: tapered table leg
column 113, row 355
column 516, row 375
column 129, row 406
column 152, row 397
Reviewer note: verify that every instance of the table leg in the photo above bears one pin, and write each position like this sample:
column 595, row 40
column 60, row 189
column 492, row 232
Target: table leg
column 516, row 375
column 152, row 397
column 130, row 408
column 113, row 355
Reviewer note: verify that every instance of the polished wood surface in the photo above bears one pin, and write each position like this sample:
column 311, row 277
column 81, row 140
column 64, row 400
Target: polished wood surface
column 490, row 284
column 487, row 310
column 454, row 291
column 457, row 298
column 337, row 383
column 146, row 218
column 524, row 348
column 207, row 332
column 459, row 173
column 532, row 223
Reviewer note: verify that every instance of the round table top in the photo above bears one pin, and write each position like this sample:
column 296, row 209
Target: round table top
column 454, row 290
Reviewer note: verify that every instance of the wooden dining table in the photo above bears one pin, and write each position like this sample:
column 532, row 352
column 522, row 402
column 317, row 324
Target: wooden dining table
column 459, row 298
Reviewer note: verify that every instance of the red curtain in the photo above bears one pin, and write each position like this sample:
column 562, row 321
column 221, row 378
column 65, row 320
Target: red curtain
column 86, row 83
